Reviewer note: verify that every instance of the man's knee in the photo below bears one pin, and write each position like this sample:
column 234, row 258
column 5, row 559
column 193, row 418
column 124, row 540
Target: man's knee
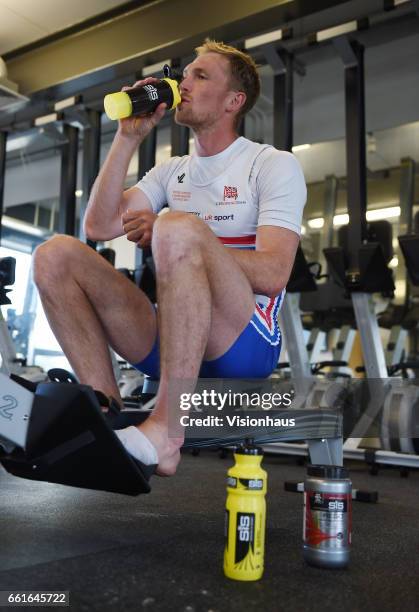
column 51, row 259
column 177, row 235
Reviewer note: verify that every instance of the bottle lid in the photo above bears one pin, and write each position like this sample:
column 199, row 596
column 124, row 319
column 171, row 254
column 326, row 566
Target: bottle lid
column 328, row 471
column 118, row 105
column 248, row 449
column 167, row 71
column 173, row 84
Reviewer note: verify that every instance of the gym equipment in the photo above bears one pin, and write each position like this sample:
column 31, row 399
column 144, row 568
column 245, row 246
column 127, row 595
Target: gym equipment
column 129, row 380
column 328, row 309
column 58, row 433
column 401, row 319
column 358, row 268
column 325, row 308
column 361, row 268
column 7, row 278
column 409, row 245
column 313, row 392
column 400, row 423
column 400, row 420
column 9, row 361
column 326, row 393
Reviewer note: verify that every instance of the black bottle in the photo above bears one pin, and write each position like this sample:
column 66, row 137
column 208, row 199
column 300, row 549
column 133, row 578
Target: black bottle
column 143, row 100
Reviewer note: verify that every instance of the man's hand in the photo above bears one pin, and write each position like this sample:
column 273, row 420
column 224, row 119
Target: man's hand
column 140, row 127
column 138, row 226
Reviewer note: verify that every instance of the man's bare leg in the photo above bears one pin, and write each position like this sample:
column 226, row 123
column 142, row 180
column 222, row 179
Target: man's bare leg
column 205, row 302
column 99, row 306
column 90, row 305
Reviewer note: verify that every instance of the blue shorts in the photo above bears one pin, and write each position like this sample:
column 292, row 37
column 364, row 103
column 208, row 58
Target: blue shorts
column 254, row 354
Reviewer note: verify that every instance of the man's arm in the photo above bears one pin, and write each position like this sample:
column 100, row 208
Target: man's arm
column 281, row 193
column 108, row 201
column 269, row 267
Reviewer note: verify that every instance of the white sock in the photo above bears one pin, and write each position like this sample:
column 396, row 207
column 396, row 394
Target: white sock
column 138, row 445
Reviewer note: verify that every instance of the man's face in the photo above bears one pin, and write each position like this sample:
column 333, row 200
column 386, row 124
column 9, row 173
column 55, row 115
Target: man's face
column 205, row 91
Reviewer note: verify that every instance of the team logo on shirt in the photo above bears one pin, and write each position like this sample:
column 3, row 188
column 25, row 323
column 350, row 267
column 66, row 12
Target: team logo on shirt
column 230, row 193
column 180, row 178
column 230, row 197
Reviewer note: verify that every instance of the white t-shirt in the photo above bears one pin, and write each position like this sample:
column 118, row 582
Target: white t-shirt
column 236, row 191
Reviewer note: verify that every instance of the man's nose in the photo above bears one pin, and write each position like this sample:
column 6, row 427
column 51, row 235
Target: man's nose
column 185, row 85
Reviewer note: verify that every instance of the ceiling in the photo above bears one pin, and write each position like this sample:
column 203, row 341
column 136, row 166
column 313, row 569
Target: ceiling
column 25, row 21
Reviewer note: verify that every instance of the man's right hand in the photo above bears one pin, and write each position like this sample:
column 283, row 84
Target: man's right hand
column 138, row 226
column 139, row 127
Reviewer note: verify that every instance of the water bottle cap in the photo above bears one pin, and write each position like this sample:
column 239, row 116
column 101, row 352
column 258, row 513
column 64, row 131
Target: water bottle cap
column 118, row 105
column 248, row 449
column 173, row 84
column 328, row 471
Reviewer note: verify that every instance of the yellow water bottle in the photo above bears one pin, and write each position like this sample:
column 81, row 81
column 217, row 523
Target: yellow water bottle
column 145, row 99
column 245, row 515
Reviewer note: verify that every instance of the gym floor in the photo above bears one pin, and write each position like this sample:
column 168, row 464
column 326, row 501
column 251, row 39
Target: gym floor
column 163, row 551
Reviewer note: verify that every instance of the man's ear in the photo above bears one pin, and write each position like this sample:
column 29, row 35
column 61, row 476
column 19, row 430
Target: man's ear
column 236, row 100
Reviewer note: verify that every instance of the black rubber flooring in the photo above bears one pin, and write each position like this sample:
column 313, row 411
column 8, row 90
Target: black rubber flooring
column 164, row 551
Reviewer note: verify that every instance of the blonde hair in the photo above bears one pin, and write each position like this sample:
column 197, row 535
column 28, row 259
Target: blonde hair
column 244, row 73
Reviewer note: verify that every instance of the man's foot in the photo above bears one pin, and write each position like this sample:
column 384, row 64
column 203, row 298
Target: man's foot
column 168, row 449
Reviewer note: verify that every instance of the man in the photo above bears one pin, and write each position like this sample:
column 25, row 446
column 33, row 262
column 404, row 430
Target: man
column 217, row 306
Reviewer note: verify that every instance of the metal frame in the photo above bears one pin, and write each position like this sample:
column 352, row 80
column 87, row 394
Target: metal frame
column 7, row 349
column 396, row 342
column 352, row 56
column 315, row 344
column 3, row 141
column 91, row 162
column 294, row 336
column 407, row 202
column 147, row 154
column 283, row 96
column 331, row 185
column 344, row 343
column 395, row 345
column 407, row 195
column 124, row 52
column 68, row 185
column 94, row 83
column 325, row 451
column 9, row 364
column 146, row 161
column 179, row 140
column 179, row 134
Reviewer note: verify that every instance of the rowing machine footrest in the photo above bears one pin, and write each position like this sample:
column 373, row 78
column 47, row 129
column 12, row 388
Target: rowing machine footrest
column 71, row 442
